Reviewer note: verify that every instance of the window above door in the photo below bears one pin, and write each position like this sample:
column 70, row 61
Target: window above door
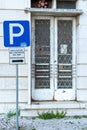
column 41, row 3
column 65, row 4
column 66, row 8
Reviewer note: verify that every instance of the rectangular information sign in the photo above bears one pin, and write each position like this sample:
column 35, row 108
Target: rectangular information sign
column 16, row 55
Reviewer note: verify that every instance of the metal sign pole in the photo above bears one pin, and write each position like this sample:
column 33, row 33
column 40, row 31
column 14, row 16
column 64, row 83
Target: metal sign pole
column 16, row 96
column 17, row 56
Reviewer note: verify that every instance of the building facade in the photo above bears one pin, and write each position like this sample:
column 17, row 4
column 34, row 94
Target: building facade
column 55, row 71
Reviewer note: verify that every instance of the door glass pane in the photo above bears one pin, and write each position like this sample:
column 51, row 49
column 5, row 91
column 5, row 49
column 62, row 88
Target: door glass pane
column 42, row 53
column 64, row 53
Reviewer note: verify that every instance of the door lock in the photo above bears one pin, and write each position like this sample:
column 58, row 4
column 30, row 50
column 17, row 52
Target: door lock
column 55, row 61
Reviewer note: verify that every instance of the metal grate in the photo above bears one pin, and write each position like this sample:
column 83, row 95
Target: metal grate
column 42, row 53
column 64, row 54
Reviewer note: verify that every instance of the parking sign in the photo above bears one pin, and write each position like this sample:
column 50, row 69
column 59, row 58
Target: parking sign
column 16, row 33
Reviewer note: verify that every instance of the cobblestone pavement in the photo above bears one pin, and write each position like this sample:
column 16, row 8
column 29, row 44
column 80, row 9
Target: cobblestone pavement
column 66, row 123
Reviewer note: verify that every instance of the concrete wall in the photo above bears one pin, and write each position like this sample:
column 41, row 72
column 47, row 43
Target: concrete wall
column 82, row 52
column 12, row 10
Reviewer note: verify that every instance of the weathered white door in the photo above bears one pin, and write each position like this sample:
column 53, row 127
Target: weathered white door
column 65, row 59
column 53, row 58
column 42, row 58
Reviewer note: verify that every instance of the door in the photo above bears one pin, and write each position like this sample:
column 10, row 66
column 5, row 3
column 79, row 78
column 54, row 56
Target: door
column 65, row 59
column 53, row 58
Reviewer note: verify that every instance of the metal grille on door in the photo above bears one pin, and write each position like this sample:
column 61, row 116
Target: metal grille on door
column 42, row 53
column 64, row 53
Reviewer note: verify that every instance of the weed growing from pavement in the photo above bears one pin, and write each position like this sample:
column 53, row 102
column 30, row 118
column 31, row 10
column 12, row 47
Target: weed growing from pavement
column 85, row 116
column 12, row 113
column 84, row 128
column 51, row 115
column 33, row 129
column 78, row 117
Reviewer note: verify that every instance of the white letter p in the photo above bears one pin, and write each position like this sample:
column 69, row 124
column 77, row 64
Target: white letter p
column 12, row 34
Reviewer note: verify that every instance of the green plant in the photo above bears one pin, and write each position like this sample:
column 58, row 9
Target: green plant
column 33, row 129
column 12, row 113
column 76, row 116
column 85, row 116
column 83, row 129
column 61, row 114
column 51, row 115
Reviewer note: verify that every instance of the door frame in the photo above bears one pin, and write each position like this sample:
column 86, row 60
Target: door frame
column 53, row 80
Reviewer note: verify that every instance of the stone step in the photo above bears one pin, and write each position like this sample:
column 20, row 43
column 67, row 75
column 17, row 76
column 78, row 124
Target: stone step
column 69, row 112
column 71, row 108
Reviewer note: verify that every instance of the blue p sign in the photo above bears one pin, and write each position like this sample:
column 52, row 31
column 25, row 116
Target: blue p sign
column 16, row 33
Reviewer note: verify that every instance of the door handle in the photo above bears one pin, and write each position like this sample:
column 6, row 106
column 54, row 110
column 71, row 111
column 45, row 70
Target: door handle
column 63, row 91
column 55, row 61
